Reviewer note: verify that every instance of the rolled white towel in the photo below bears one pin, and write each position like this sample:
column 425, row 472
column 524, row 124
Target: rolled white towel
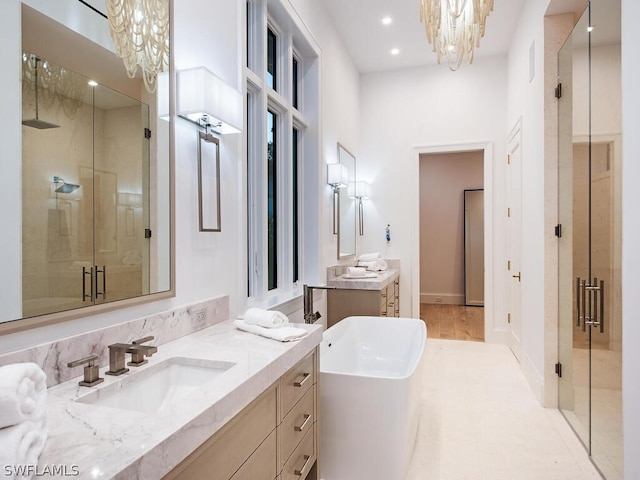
column 369, row 257
column 284, row 334
column 380, row 265
column 265, row 318
column 22, row 444
column 356, row 271
column 367, row 265
column 23, row 393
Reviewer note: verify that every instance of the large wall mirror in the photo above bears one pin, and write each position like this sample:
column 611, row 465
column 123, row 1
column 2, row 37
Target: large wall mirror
column 87, row 161
column 347, row 209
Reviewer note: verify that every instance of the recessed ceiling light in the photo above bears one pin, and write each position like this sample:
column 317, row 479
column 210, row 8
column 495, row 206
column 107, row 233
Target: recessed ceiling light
column 395, row 51
column 386, row 20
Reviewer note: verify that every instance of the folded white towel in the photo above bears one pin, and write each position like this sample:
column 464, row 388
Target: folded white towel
column 23, row 393
column 265, row 318
column 284, row 334
column 22, row 444
column 378, row 265
column 369, row 257
column 356, row 271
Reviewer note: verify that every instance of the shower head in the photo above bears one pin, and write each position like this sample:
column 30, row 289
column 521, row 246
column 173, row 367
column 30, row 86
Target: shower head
column 65, row 187
column 39, row 124
column 36, row 122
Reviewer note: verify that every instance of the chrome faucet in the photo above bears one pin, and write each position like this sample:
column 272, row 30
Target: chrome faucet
column 307, row 301
column 117, row 352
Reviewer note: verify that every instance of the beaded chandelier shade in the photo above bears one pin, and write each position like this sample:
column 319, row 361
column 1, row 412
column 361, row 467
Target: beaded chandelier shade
column 140, row 32
column 455, row 27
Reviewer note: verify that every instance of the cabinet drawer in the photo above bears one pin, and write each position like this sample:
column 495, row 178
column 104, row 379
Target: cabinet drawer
column 295, row 383
column 302, row 459
column 223, row 453
column 262, row 464
column 297, row 423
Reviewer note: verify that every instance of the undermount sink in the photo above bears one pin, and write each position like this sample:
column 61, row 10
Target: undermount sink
column 158, row 387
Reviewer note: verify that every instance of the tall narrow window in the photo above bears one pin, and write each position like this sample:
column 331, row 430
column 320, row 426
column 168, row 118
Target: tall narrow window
column 272, row 199
column 272, row 51
column 295, row 201
column 249, row 33
column 250, row 233
column 294, row 84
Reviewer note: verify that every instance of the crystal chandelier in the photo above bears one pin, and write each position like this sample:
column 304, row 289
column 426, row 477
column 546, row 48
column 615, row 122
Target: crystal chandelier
column 140, row 32
column 455, row 27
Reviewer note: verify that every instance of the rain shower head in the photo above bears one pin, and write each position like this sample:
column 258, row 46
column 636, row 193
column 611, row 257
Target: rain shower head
column 40, row 124
column 65, row 187
column 36, row 122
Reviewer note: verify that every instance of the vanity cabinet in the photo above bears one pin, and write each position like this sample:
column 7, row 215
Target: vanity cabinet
column 346, row 302
column 274, row 437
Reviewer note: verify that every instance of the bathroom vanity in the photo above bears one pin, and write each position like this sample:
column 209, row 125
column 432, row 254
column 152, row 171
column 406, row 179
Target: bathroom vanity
column 370, row 296
column 255, row 419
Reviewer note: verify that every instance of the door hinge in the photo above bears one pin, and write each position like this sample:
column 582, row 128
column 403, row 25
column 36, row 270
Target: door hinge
column 508, row 159
column 559, row 369
column 147, row 133
column 147, row 233
column 559, row 90
column 559, row 230
column 509, row 212
column 509, row 265
column 508, row 318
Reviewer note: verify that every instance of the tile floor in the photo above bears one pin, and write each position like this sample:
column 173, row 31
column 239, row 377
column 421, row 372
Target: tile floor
column 479, row 420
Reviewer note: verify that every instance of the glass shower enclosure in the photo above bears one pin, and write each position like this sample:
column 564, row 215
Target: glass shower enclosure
column 589, row 269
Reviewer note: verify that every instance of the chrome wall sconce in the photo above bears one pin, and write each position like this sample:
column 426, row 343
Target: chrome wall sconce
column 337, row 177
column 359, row 190
column 206, row 100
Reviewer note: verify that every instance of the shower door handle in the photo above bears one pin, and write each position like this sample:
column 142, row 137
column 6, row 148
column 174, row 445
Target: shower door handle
column 104, row 282
column 590, row 304
column 84, row 283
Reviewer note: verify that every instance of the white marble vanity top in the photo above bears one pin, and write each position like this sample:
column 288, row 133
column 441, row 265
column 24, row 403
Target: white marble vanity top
column 369, row 283
column 104, row 442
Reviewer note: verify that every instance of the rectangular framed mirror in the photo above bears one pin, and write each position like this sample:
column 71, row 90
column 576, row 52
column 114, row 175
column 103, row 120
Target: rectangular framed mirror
column 208, row 183
column 347, row 210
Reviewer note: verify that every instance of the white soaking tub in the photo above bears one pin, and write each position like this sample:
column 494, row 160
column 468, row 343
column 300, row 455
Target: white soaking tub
column 370, row 380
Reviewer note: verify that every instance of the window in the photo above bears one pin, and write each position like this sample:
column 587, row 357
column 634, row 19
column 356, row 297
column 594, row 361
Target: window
column 282, row 143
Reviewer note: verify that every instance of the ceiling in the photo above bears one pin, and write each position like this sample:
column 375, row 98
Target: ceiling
column 369, row 42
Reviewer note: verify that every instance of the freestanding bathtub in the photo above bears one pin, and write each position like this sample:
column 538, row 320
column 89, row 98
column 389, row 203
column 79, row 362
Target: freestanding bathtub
column 370, row 380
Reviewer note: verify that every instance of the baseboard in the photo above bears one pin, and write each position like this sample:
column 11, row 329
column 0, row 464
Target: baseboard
column 443, row 298
column 533, row 377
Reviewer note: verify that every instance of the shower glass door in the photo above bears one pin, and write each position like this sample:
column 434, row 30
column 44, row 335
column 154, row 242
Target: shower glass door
column 590, row 332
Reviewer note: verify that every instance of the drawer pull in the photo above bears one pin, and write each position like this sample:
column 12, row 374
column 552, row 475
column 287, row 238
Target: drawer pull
column 304, row 379
column 304, row 424
column 302, row 472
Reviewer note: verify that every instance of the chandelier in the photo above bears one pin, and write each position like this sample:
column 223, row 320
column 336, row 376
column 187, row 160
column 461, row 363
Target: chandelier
column 140, row 32
column 455, row 27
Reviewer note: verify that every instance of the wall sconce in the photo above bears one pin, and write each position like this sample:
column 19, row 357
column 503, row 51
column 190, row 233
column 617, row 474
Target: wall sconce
column 337, row 177
column 209, row 102
column 359, row 190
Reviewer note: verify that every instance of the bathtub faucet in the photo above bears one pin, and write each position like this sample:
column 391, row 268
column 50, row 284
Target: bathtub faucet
column 307, row 301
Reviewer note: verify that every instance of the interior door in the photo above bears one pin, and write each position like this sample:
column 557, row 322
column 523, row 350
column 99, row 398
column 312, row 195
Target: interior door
column 514, row 239
column 589, row 274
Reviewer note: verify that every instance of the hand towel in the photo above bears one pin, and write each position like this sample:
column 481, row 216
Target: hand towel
column 265, row 318
column 22, row 444
column 369, row 257
column 356, row 271
column 284, row 334
column 378, row 265
column 23, row 393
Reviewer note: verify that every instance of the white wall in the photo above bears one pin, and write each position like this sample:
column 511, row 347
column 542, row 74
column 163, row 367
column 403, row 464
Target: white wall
column 630, row 236
column 432, row 109
column 526, row 102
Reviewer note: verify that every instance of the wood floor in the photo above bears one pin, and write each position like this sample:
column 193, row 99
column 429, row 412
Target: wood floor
column 453, row 322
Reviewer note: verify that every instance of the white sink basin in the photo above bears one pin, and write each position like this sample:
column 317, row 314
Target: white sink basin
column 158, row 387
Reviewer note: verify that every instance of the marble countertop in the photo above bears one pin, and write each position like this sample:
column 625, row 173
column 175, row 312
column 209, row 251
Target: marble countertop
column 102, row 442
column 374, row 283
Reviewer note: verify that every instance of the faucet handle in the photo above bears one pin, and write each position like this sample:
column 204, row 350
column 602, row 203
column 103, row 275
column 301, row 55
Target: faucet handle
column 138, row 355
column 142, row 340
column 91, row 371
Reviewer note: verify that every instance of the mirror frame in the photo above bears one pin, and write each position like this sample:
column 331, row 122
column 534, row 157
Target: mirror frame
column 21, row 324
column 342, row 195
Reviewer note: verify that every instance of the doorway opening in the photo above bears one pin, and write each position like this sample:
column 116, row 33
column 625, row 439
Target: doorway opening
column 452, row 263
